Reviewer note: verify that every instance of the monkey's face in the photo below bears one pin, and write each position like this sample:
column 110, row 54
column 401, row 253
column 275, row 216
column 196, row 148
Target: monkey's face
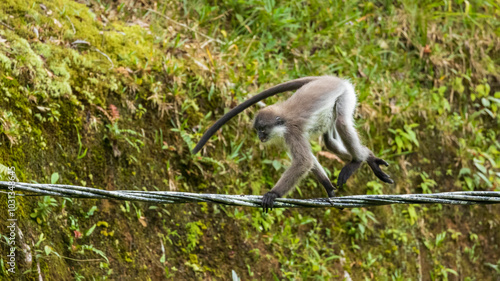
column 268, row 126
column 263, row 132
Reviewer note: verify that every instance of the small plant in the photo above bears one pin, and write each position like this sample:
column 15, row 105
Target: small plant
column 495, row 267
column 427, row 183
column 404, row 139
column 44, row 209
column 47, row 250
column 92, row 249
column 117, row 135
column 80, row 145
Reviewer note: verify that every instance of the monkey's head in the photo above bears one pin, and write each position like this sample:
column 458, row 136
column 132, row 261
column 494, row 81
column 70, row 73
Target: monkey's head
column 269, row 125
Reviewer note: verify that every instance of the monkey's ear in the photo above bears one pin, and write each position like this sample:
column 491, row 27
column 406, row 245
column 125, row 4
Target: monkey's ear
column 279, row 121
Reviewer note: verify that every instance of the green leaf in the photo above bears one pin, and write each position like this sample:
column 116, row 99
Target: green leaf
column 451, row 271
column 90, row 230
column 399, row 142
column 481, row 168
column 485, row 102
column 92, row 210
column 469, row 182
column 486, row 180
column 48, row 250
column 276, row 165
column 464, row 171
column 3, row 169
column 413, row 214
column 362, row 228
column 83, row 154
column 54, row 178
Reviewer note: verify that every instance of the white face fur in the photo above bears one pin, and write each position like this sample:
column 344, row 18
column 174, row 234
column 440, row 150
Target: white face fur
column 277, row 134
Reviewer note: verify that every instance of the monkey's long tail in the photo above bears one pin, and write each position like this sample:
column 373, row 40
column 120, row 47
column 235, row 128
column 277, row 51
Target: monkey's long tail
column 283, row 87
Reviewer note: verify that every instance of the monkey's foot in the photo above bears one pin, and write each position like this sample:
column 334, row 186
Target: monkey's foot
column 268, row 201
column 329, row 188
column 331, row 203
column 330, row 200
column 347, row 171
column 331, row 194
column 374, row 164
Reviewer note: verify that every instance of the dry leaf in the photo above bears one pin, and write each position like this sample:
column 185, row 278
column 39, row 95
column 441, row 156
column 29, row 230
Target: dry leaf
column 123, row 70
column 330, row 155
column 105, row 113
column 364, row 17
column 142, row 220
column 49, row 73
column 114, row 113
column 427, row 49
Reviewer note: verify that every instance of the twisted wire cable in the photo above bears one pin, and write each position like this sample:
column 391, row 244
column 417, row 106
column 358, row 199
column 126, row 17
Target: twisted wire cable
column 171, row 197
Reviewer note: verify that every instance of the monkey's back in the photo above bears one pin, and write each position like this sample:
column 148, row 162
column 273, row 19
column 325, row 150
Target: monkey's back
column 314, row 104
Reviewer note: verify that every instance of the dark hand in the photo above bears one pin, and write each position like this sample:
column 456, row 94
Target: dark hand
column 374, row 164
column 268, row 201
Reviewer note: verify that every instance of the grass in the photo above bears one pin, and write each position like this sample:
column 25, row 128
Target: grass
column 426, row 75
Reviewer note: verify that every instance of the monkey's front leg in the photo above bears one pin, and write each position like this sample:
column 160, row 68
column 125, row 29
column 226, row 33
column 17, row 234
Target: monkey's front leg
column 302, row 162
column 286, row 183
column 323, row 179
column 279, row 190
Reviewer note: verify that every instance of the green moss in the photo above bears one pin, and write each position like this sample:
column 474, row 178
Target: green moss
column 6, row 62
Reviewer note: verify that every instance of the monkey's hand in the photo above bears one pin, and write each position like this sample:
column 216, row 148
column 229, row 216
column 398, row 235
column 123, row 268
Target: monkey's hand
column 374, row 164
column 268, row 201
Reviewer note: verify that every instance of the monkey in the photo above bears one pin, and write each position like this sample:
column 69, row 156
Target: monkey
column 321, row 106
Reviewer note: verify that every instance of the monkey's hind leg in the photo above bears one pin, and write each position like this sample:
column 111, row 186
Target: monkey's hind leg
column 347, row 172
column 334, row 144
column 374, row 164
column 358, row 152
column 350, row 140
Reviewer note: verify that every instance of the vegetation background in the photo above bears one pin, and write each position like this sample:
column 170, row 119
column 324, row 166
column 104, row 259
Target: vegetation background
column 113, row 94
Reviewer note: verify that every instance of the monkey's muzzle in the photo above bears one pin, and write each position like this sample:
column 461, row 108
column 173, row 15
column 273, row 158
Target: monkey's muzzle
column 263, row 137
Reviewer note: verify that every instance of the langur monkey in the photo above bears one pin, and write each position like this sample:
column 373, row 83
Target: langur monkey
column 321, row 106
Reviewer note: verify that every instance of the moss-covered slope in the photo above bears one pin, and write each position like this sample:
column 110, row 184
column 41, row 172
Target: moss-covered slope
column 114, row 94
